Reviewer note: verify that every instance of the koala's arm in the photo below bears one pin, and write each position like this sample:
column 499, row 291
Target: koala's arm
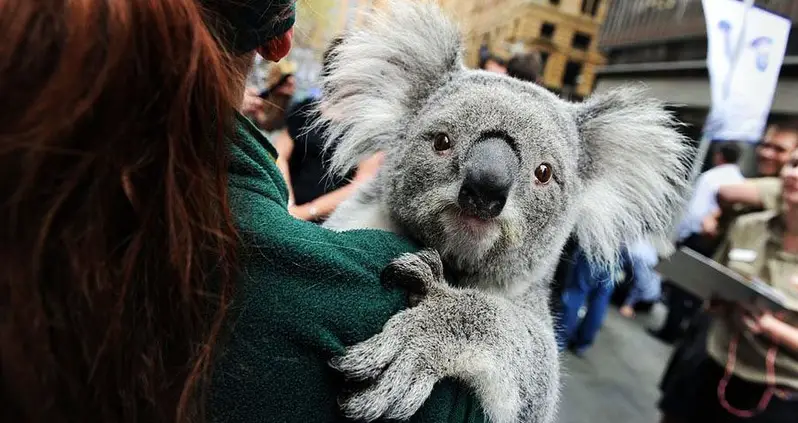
column 503, row 349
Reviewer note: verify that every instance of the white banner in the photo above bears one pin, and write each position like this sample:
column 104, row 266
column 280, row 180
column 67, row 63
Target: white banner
column 743, row 81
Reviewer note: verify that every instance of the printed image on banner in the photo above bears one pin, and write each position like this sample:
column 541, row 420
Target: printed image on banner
column 742, row 89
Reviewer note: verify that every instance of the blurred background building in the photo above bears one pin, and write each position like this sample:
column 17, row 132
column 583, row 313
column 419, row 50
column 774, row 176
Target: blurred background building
column 564, row 32
column 319, row 21
column 663, row 43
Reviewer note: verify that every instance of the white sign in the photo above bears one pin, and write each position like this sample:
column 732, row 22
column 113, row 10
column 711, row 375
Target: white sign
column 743, row 77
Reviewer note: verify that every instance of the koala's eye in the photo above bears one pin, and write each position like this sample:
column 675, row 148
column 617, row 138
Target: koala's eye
column 543, row 173
column 441, row 143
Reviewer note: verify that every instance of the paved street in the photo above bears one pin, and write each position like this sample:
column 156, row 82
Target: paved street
column 616, row 381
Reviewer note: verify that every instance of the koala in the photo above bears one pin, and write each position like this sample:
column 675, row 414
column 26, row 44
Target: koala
column 492, row 175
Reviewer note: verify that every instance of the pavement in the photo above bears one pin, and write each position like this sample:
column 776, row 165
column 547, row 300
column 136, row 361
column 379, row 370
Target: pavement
column 616, row 380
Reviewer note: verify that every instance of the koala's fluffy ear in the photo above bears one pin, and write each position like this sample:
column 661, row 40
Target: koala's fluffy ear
column 635, row 168
column 381, row 73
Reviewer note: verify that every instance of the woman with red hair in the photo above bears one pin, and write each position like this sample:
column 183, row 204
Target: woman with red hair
column 146, row 240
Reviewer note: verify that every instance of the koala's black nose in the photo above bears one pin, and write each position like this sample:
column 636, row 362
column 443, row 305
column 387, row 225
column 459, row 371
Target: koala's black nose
column 490, row 172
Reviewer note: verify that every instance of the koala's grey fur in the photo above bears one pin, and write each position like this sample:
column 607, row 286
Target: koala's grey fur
column 619, row 174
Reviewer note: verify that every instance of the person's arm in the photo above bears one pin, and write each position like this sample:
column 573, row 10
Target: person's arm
column 763, row 322
column 746, row 193
column 285, row 146
column 327, row 203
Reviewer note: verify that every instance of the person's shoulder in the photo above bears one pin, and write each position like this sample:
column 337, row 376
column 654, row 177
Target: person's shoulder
column 252, row 167
column 769, row 189
column 733, row 174
column 724, row 174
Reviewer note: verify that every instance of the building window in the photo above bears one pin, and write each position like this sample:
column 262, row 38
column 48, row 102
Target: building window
column 590, row 7
column 581, row 41
column 544, row 58
column 516, row 28
column 547, row 30
column 554, row 2
column 571, row 76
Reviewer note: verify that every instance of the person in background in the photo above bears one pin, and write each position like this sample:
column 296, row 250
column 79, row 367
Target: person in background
column 271, row 112
column 725, row 170
column 314, row 193
column 526, row 67
column 150, row 270
column 682, row 305
column 751, row 374
column 776, row 149
column 756, row 193
column 493, row 63
column 646, row 283
column 678, row 382
column 586, row 286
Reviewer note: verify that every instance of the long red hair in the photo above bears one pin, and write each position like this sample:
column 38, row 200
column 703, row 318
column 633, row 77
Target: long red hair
column 118, row 245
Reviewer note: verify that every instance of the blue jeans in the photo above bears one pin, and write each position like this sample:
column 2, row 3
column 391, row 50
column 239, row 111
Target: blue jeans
column 646, row 283
column 584, row 286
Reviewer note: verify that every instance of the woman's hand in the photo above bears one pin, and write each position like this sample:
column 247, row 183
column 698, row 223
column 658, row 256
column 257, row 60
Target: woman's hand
column 253, row 106
column 759, row 321
column 304, row 212
column 252, row 102
column 709, row 226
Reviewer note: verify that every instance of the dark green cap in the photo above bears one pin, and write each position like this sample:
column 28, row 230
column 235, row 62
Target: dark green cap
column 245, row 25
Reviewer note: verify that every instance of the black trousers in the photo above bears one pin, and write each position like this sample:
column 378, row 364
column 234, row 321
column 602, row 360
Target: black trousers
column 682, row 305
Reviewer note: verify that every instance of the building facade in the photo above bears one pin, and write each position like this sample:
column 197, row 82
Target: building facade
column 318, row 21
column 663, row 43
column 565, row 32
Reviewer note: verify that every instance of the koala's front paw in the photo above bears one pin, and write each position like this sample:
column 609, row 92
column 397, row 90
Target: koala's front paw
column 398, row 372
column 401, row 364
column 503, row 350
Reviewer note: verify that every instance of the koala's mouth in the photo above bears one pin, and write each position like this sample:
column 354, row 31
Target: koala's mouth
column 477, row 225
column 479, row 229
column 467, row 239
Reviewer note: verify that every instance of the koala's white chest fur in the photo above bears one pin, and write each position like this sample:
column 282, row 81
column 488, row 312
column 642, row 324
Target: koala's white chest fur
column 361, row 211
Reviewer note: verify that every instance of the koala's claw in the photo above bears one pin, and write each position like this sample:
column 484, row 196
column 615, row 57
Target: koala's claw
column 368, row 359
column 398, row 394
column 418, row 273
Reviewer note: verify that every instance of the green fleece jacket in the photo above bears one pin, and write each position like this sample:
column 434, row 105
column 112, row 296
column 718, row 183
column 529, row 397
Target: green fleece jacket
column 304, row 294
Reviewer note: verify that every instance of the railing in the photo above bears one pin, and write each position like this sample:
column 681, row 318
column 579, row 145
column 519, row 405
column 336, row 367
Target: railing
column 649, row 21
